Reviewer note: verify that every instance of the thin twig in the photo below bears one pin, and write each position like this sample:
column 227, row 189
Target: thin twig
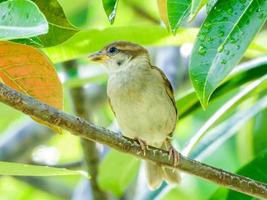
column 81, row 128
column 68, row 165
column 91, row 153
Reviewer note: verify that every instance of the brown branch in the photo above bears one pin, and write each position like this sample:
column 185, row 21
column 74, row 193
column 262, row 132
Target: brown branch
column 81, row 128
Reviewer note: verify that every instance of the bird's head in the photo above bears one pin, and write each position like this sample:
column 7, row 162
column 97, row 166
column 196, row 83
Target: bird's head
column 120, row 54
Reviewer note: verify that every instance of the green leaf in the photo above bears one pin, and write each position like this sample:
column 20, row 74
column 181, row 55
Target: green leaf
column 79, row 82
column 60, row 28
column 178, row 11
column 21, row 19
column 218, row 135
column 11, row 116
column 242, row 74
column 244, row 136
column 210, row 4
column 259, row 46
column 19, row 169
column 187, row 102
column 33, row 41
column 223, row 39
column 232, row 103
column 220, row 194
column 110, row 7
column 196, row 6
column 117, row 171
column 85, row 42
column 255, row 169
column 259, row 131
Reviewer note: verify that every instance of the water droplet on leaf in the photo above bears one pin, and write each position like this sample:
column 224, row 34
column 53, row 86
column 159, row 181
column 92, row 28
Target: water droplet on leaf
column 202, row 50
column 209, row 39
column 258, row 10
column 223, row 62
column 233, row 40
column 250, row 10
column 230, row 11
column 221, row 33
column 207, row 26
column 220, row 48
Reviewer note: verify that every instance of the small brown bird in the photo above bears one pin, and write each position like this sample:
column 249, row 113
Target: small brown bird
column 142, row 100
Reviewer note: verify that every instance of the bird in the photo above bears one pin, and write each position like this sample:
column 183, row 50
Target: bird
column 142, row 100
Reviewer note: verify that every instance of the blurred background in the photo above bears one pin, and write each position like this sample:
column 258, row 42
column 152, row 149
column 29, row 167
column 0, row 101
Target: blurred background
column 116, row 175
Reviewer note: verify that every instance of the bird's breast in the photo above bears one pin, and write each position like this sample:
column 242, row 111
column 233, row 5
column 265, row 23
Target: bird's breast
column 126, row 84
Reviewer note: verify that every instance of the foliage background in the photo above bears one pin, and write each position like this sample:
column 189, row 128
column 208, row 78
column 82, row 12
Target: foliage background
column 239, row 147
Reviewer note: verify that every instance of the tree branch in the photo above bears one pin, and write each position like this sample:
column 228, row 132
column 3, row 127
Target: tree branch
column 81, row 128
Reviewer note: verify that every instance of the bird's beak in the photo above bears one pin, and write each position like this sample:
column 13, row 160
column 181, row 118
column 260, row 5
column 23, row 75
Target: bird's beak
column 99, row 57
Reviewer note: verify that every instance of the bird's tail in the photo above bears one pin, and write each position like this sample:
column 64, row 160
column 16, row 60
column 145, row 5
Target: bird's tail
column 156, row 174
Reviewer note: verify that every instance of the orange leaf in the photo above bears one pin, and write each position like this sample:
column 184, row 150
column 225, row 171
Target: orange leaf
column 162, row 6
column 28, row 70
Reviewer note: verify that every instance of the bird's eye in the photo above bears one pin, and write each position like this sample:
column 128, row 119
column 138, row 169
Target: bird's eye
column 112, row 50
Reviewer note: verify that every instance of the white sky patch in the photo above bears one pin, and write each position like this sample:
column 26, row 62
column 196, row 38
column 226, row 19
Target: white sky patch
column 46, row 155
column 186, row 49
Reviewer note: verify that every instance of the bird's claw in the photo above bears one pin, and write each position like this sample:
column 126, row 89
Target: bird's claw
column 173, row 154
column 142, row 144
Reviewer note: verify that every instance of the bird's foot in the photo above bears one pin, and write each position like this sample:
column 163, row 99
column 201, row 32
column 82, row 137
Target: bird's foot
column 173, row 154
column 142, row 144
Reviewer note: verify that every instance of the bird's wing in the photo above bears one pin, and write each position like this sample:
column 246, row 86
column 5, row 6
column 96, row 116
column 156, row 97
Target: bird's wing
column 169, row 89
column 109, row 101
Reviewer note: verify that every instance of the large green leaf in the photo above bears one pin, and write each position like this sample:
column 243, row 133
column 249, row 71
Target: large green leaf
column 20, row 19
column 242, row 74
column 19, row 169
column 256, row 169
column 255, row 86
column 85, row 42
column 178, row 11
column 110, row 7
column 218, row 135
column 117, row 171
column 60, row 28
column 223, row 38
